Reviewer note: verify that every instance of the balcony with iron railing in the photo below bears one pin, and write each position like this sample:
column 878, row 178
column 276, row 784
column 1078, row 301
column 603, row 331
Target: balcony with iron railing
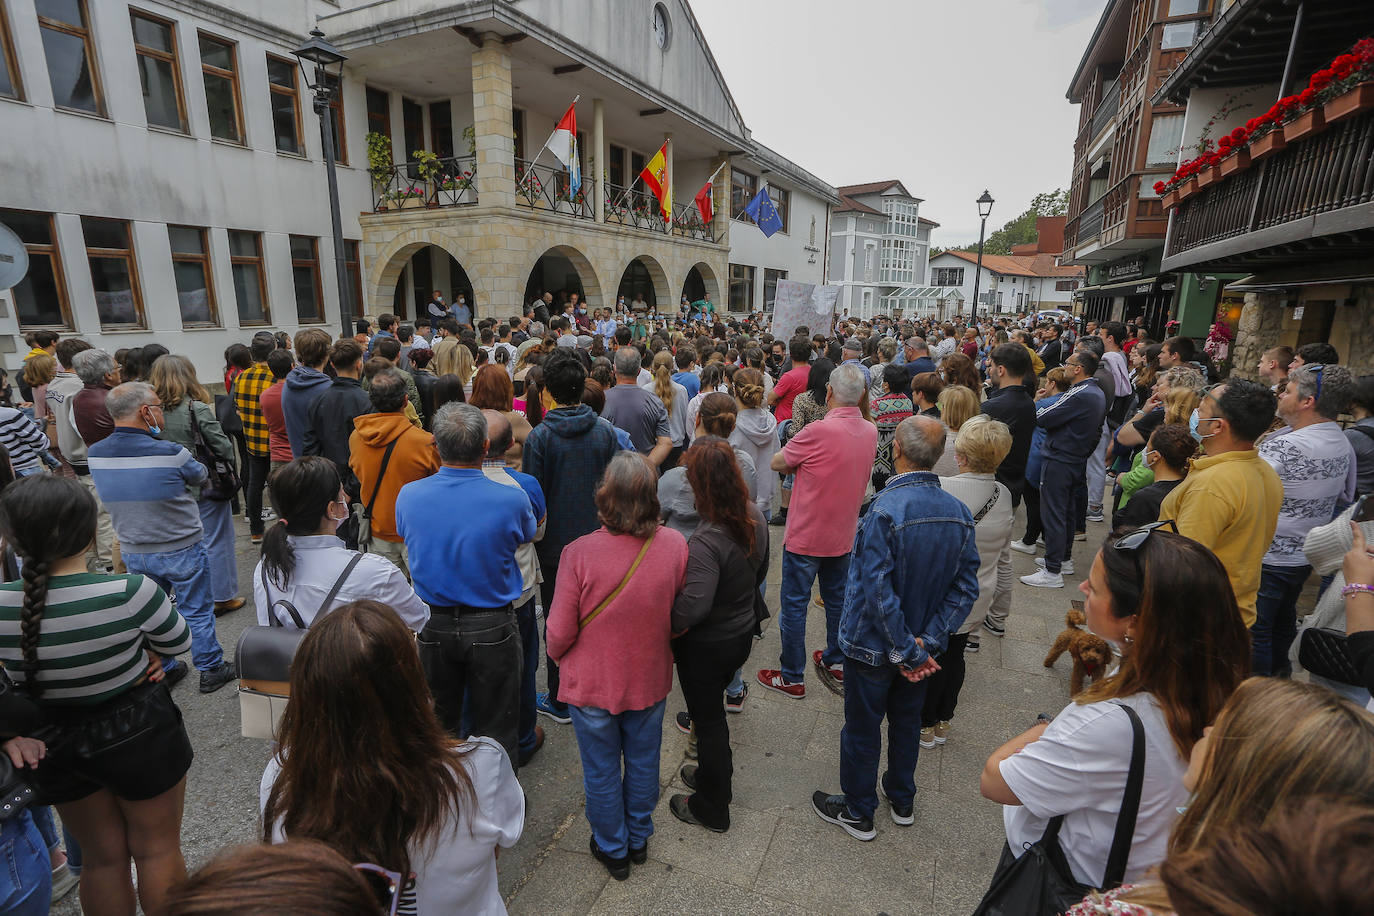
column 542, row 187
column 1088, row 225
column 406, row 185
column 1314, row 197
column 1106, row 110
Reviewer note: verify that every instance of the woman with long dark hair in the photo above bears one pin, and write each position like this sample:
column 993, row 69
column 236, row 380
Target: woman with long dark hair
column 303, row 559
column 809, row 405
column 115, row 756
column 492, row 390
column 364, row 765
column 1165, row 602
column 717, row 613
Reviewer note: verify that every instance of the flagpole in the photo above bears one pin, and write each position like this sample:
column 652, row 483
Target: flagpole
column 530, row 167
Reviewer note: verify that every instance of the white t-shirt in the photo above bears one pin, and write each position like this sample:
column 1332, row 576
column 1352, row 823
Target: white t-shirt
column 458, row 873
column 1078, row 768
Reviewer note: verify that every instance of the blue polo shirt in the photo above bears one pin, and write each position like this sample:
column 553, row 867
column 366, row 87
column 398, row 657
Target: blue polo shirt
column 461, row 532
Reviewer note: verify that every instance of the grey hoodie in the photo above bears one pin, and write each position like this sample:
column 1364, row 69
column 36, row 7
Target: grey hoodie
column 756, row 434
column 303, row 388
column 678, row 504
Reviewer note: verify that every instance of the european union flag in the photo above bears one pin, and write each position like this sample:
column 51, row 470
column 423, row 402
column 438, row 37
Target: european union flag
column 762, row 212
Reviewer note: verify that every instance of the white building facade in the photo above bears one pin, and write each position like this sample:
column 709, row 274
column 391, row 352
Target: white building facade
column 1008, row 284
column 879, row 243
column 164, row 166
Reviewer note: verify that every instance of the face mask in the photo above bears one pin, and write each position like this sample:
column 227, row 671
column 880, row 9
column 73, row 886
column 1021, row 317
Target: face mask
column 1193, row 422
column 154, row 429
column 1148, row 458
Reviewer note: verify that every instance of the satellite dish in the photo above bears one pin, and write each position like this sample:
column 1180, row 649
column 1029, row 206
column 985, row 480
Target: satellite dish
column 14, row 258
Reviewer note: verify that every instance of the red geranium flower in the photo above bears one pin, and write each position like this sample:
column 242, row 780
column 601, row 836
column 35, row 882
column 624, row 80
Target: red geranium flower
column 1159, row 187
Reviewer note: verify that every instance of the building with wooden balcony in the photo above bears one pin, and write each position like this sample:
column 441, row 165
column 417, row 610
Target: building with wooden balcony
column 1127, row 140
column 165, row 169
column 1289, row 217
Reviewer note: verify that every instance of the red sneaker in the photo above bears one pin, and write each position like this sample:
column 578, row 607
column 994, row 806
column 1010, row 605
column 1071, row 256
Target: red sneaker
column 773, row 680
column 834, row 671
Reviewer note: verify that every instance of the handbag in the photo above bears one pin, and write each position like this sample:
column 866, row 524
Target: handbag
column 16, row 793
column 639, row 558
column 263, row 659
column 362, row 516
column 1040, row 882
column 223, row 481
column 1325, row 653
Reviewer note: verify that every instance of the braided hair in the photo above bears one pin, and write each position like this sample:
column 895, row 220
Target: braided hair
column 44, row 519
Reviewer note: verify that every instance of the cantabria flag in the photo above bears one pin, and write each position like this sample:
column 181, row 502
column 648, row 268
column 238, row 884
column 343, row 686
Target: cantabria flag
column 563, row 144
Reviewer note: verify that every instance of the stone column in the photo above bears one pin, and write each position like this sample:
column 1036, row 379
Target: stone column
column 491, row 121
column 598, row 160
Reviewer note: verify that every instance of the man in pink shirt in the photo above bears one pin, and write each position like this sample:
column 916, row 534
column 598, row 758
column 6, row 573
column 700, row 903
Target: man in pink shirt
column 793, row 381
column 278, row 445
column 832, row 460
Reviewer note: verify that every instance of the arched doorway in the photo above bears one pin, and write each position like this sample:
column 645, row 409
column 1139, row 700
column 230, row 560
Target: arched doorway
column 562, row 271
column 645, row 276
column 429, row 268
column 701, row 282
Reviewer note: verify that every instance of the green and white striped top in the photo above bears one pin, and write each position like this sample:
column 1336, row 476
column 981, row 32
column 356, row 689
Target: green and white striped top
column 95, row 628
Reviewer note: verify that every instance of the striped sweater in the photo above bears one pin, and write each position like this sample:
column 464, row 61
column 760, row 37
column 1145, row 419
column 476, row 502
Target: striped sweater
column 22, row 437
column 93, row 632
column 150, row 488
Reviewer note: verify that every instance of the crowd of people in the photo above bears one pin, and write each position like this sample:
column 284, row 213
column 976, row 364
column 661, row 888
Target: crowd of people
column 422, row 494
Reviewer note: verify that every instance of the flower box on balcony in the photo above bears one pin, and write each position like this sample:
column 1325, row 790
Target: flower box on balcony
column 1169, row 199
column 1238, row 161
column 1207, row 176
column 1307, row 124
column 1353, row 102
column 1266, row 145
column 1185, row 190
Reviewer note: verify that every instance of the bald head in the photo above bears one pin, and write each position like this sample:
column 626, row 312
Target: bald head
column 918, row 444
column 499, row 434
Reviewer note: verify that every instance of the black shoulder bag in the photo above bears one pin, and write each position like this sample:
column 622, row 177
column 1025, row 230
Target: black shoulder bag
column 1040, row 882
column 223, row 481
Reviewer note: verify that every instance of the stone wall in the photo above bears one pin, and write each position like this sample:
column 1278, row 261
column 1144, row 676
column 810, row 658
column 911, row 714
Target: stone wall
column 1261, row 324
column 1267, row 321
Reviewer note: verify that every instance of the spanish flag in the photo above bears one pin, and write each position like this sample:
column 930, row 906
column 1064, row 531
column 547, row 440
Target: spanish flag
column 655, row 176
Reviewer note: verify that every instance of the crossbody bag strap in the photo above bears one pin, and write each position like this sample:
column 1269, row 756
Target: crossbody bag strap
column 582, row 624
column 338, row 583
column 1130, row 805
column 381, row 473
column 987, row 506
column 272, row 620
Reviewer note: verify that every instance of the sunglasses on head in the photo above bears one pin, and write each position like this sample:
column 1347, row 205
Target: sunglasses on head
column 385, row 884
column 1132, row 540
column 1318, row 368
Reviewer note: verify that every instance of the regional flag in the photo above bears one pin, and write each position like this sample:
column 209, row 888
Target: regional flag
column 704, row 201
column 763, row 213
column 563, row 144
column 655, row 176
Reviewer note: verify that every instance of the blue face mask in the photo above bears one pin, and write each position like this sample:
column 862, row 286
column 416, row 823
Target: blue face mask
column 1193, row 422
column 154, row 429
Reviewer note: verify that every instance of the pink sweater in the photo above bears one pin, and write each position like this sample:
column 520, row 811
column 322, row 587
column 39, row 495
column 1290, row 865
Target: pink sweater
column 622, row 660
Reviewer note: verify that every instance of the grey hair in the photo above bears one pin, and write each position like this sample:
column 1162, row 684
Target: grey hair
column 921, row 440
column 1337, row 388
column 917, row 344
column 627, row 362
column 887, row 349
column 125, row 400
column 536, row 328
column 847, row 385
column 1094, row 344
column 1185, row 377
column 460, row 432
column 93, row 365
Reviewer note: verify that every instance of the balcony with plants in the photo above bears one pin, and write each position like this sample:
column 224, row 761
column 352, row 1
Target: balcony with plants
column 1303, row 169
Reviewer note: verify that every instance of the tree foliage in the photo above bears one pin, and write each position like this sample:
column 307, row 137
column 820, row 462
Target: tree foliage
column 1021, row 230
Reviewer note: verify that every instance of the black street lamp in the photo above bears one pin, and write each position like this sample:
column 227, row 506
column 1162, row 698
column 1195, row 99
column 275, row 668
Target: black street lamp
column 322, row 65
column 984, row 209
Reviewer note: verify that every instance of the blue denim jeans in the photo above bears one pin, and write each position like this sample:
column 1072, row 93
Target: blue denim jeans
column 870, row 694
column 217, row 518
column 529, row 648
column 1276, row 619
column 798, row 573
column 47, row 829
column 620, row 803
column 185, row 573
column 25, row 875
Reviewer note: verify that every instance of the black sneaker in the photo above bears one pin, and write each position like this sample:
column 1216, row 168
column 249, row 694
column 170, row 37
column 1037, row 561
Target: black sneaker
column 689, row 776
column 835, row 810
column 779, row 518
column 993, row 627
column 973, row 645
column 903, row 815
column 215, row 678
column 736, row 703
column 641, row 855
column 684, row 722
column 683, row 811
column 619, row 868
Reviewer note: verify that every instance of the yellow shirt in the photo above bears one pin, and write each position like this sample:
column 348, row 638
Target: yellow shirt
column 1230, row 504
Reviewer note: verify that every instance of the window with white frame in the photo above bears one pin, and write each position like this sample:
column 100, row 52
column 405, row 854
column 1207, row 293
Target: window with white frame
column 870, row 255
column 946, row 276
column 901, row 216
column 899, row 259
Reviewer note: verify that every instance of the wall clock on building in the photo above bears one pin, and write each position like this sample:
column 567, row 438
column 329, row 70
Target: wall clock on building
column 663, row 27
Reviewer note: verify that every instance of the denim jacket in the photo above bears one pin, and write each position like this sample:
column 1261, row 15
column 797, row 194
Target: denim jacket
column 914, row 573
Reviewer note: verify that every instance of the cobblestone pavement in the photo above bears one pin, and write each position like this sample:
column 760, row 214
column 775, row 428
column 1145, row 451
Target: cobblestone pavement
column 777, row 855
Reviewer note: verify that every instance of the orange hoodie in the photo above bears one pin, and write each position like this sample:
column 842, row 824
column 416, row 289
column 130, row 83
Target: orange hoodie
column 415, row 457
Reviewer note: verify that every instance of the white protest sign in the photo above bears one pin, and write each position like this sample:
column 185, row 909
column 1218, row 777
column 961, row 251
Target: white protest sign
column 803, row 304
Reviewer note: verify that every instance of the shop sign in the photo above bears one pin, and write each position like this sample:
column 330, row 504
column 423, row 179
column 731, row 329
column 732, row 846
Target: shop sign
column 1125, row 270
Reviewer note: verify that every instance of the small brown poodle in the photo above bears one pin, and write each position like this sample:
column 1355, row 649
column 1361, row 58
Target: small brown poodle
column 1091, row 653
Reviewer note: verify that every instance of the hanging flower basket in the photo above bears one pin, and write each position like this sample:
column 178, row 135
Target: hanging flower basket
column 1170, row 199
column 1355, row 101
column 1266, row 145
column 1238, row 161
column 1308, row 124
column 1207, row 175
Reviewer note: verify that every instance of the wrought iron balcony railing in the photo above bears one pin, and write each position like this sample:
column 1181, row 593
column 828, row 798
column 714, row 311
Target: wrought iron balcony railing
column 543, row 187
column 453, row 184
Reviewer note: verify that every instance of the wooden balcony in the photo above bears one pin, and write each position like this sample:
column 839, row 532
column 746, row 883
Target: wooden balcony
column 1311, row 201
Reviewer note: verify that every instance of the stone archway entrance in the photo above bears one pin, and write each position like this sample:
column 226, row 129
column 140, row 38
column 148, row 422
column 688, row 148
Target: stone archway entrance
column 430, row 268
column 701, row 282
column 644, row 275
column 403, row 273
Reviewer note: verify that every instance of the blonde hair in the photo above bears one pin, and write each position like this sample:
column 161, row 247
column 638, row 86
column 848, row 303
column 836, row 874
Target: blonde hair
column 1179, row 404
column 958, row 404
column 1060, row 376
column 452, row 358
column 663, row 379
column 748, row 385
column 173, row 377
column 983, row 442
column 1185, row 377
column 39, row 369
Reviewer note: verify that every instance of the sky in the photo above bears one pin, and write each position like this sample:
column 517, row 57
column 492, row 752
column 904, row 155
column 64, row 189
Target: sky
column 948, row 96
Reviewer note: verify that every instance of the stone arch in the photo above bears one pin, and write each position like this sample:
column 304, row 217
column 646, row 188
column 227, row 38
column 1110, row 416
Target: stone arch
column 586, row 274
column 665, row 301
column 709, row 284
column 384, row 269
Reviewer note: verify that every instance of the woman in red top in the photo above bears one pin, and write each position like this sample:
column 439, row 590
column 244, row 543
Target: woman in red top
column 615, row 662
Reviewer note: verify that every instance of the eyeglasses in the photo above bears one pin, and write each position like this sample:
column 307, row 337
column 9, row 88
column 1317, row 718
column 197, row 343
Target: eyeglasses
column 1134, row 539
column 385, row 884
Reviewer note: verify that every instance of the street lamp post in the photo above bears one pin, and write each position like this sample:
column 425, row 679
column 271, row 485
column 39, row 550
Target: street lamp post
column 984, row 209
column 324, row 77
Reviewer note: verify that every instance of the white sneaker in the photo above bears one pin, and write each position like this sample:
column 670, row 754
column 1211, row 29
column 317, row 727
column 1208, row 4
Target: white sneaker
column 1023, row 547
column 1066, row 567
column 1095, row 515
column 1043, row 579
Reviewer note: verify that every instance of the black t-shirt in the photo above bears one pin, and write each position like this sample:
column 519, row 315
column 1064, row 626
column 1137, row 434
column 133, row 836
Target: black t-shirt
column 1147, row 424
column 1143, row 506
column 1014, row 406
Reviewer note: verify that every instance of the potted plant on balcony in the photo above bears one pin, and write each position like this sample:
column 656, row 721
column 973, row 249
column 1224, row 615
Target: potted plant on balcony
column 379, row 164
column 426, row 169
column 1265, row 134
column 1346, row 88
column 1235, row 157
column 1304, row 116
